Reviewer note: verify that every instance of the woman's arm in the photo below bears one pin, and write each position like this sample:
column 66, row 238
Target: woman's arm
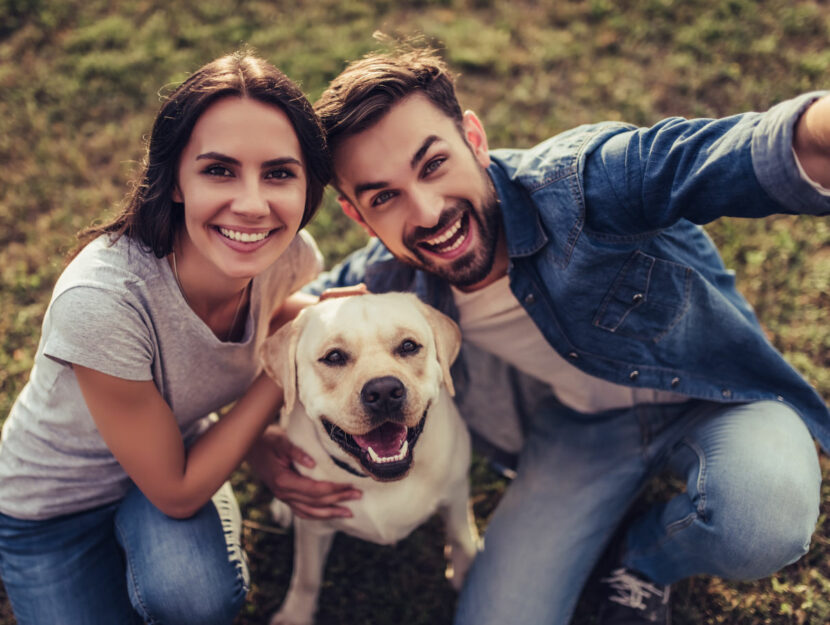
column 141, row 431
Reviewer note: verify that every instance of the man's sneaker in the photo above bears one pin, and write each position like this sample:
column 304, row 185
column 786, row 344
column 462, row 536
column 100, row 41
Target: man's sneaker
column 628, row 598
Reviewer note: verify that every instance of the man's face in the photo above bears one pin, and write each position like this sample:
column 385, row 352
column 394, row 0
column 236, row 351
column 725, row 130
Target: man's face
column 421, row 186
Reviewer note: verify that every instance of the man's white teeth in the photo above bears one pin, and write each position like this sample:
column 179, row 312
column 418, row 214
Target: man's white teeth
column 399, row 456
column 446, row 236
column 454, row 245
column 244, row 237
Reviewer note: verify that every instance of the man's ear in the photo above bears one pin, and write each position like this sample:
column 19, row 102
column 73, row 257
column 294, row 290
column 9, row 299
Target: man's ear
column 476, row 137
column 353, row 213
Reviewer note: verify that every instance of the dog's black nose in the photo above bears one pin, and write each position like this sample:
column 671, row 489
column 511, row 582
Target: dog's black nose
column 383, row 396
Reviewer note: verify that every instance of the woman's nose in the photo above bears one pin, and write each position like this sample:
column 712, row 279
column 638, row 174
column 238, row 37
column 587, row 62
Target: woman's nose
column 251, row 201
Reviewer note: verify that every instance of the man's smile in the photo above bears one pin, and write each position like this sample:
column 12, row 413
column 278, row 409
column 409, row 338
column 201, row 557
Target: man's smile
column 449, row 239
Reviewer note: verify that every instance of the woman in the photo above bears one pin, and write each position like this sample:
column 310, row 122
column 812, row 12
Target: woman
column 108, row 466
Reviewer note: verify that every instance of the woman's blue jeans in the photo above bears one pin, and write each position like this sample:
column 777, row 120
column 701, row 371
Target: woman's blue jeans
column 126, row 563
column 749, row 508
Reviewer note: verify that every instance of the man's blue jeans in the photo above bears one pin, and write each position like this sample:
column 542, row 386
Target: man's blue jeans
column 749, row 508
column 126, row 563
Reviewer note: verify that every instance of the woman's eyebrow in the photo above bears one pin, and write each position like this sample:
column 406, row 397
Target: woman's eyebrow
column 224, row 158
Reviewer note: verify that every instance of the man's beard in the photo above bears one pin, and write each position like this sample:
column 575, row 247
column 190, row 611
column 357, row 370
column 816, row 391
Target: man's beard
column 475, row 265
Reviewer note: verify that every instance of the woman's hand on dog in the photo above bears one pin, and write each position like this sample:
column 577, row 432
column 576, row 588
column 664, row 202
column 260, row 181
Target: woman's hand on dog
column 272, row 458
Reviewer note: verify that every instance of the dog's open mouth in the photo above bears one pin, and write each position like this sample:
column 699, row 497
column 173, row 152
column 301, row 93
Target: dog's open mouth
column 385, row 452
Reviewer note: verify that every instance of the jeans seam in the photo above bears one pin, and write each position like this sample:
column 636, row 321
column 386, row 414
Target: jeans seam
column 700, row 509
column 125, row 546
column 699, row 513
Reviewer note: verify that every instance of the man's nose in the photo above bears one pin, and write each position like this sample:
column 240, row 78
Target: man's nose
column 425, row 208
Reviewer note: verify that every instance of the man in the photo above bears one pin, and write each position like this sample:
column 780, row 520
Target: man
column 598, row 315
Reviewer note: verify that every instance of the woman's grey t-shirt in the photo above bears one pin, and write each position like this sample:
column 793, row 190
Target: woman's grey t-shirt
column 118, row 309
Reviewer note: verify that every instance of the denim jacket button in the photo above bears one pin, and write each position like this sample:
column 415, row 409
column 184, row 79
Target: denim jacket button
column 726, row 393
column 573, row 355
column 638, row 297
column 634, row 374
column 675, row 381
column 780, row 398
column 530, row 298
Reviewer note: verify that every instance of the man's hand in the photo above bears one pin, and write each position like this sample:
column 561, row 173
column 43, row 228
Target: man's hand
column 344, row 291
column 272, row 457
column 812, row 141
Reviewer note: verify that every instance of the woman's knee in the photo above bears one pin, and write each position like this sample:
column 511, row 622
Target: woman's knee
column 189, row 599
column 180, row 571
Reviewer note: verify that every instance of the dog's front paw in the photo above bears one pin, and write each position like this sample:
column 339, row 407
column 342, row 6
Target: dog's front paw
column 282, row 618
column 297, row 609
column 459, row 559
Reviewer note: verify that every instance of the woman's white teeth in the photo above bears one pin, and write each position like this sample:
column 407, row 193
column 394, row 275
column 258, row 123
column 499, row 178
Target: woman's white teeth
column 381, row 460
column 446, row 236
column 244, row 237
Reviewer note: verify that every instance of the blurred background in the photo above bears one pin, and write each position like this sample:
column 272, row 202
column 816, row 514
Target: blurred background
column 80, row 83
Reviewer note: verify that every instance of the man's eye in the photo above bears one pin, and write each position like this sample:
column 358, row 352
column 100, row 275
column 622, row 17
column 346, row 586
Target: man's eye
column 408, row 348
column 382, row 198
column 433, row 165
column 335, row 358
column 218, row 170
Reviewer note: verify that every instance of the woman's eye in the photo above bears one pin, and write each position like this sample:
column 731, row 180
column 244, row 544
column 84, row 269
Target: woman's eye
column 218, row 170
column 335, row 358
column 408, row 348
column 279, row 174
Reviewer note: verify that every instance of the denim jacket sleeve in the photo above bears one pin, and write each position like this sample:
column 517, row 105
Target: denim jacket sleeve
column 352, row 270
column 743, row 166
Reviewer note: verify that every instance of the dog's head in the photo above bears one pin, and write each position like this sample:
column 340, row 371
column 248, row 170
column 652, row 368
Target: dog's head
column 366, row 370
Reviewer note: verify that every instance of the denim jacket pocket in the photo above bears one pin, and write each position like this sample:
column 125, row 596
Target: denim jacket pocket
column 648, row 297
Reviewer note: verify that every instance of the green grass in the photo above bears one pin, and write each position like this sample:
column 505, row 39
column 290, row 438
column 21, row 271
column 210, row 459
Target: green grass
column 79, row 85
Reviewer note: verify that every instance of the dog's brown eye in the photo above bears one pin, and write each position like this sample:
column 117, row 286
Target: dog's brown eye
column 335, row 358
column 408, row 348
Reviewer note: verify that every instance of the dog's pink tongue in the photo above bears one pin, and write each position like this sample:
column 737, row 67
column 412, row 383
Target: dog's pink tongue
column 386, row 440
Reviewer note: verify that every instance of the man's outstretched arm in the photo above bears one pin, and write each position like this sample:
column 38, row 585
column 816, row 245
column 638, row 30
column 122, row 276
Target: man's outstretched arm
column 812, row 141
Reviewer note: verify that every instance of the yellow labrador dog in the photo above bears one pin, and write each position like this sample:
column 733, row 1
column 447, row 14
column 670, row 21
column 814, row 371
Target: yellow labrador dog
column 368, row 396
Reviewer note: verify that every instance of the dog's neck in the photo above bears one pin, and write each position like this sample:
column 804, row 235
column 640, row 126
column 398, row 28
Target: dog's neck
column 346, row 467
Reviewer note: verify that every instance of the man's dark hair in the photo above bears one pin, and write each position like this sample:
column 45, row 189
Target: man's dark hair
column 365, row 91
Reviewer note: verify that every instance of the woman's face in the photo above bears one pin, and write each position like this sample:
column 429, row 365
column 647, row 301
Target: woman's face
column 242, row 180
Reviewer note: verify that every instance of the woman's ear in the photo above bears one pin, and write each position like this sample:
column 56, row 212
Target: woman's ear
column 476, row 138
column 353, row 213
column 177, row 196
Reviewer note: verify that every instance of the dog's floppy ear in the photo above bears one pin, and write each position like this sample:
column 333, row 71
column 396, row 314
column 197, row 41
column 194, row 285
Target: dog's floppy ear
column 279, row 359
column 447, row 340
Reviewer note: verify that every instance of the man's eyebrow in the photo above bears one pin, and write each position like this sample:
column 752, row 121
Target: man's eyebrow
column 419, row 154
column 368, row 186
column 416, row 158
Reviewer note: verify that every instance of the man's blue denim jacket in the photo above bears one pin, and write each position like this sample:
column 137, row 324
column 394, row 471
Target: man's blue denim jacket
column 608, row 259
